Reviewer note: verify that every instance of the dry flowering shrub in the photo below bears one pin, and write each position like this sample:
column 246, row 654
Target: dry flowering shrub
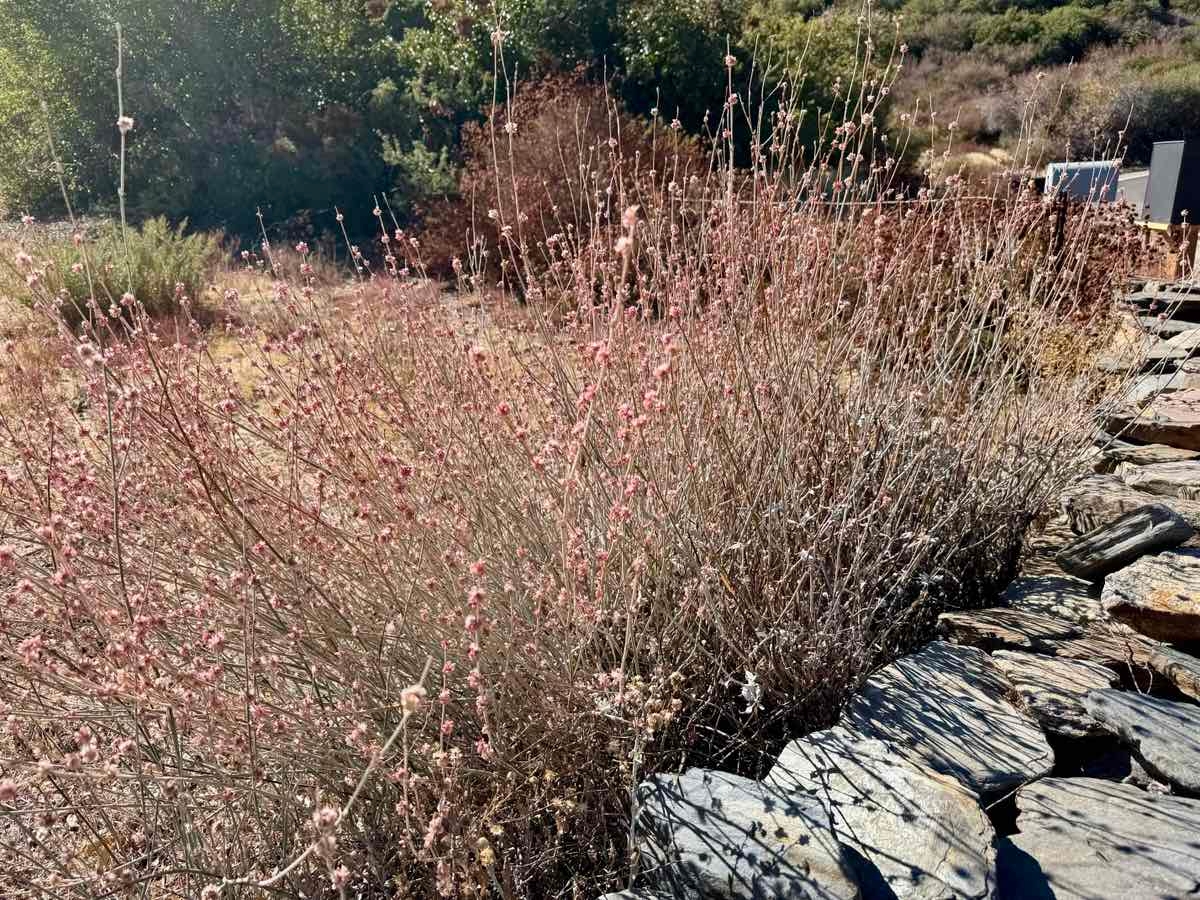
column 410, row 610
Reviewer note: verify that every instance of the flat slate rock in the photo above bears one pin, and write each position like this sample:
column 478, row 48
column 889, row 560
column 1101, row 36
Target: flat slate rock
column 1163, row 735
column 1150, row 529
column 1172, row 419
column 943, row 707
column 1103, row 439
column 1168, row 479
column 1146, row 454
column 1119, row 651
column 1004, row 627
column 1165, row 299
column 707, row 834
column 1166, row 327
column 1060, row 596
column 1053, row 690
column 916, row 835
column 1147, row 386
column 1098, row 500
column 1110, row 644
column 1162, row 353
column 1189, row 339
column 1149, row 354
column 1158, row 596
column 1087, row 839
column 1179, row 668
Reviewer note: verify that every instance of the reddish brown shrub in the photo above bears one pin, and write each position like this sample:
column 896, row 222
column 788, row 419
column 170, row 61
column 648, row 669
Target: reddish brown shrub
column 539, row 167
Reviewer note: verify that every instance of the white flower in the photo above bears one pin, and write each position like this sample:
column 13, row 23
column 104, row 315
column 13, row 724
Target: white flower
column 751, row 693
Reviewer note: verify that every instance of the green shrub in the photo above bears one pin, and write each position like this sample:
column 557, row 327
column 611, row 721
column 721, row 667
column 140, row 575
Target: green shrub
column 1014, row 26
column 1068, row 31
column 28, row 182
column 156, row 263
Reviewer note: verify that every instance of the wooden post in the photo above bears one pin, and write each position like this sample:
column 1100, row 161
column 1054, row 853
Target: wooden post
column 1193, row 252
column 1164, row 265
column 1183, row 243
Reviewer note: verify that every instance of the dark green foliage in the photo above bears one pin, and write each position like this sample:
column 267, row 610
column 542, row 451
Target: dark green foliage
column 673, row 52
column 297, row 106
column 237, row 103
column 1026, row 32
column 1068, row 31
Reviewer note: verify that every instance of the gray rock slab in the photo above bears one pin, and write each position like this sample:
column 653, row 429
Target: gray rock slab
column 1059, row 596
column 943, row 707
column 1102, row 438
column 1087, row 839
column 1158, row 596
column 1147, row 386
column 1180, row 478
column 1150, row 529
column 1171, row 295
column 920, row 835
column 1179, row 668
column 1165, row 355
column 1060, row 617
column 1189, row 339
column 1172, row 418
column 1002, row 627
column 1053, row 690
column 1163, row 735
column 1165, row 327
column 1121, row 652
column 1097, row 500
column 707, row 834
column 1130, row 654
column 1154, row 354
column 1146, row 454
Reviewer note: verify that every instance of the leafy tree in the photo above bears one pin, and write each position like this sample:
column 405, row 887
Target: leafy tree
column 673, row 53
column 824, row 58
column 27, row 176
column 237, row 103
